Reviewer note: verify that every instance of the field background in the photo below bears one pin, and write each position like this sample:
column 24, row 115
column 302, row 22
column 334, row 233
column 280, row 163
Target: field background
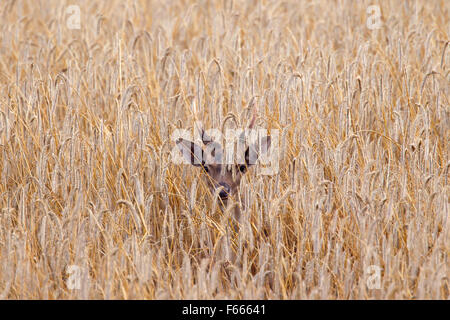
column 86, row 177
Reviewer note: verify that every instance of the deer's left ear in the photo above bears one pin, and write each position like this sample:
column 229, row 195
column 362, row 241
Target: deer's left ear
column 253, row 152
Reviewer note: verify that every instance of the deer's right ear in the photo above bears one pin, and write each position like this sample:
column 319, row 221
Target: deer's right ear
column 191, row 151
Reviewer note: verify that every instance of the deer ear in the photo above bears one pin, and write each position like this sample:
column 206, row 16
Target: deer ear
column 191, row 151
column 253, row 152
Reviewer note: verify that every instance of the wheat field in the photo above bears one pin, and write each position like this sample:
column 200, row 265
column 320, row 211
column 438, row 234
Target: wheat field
column 93, row 207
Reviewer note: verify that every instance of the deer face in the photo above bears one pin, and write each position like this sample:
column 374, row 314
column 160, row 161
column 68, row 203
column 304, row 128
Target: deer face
column 222, row 178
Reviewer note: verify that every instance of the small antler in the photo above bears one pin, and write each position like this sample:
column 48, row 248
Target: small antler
column 205, row 138
column 251, row 124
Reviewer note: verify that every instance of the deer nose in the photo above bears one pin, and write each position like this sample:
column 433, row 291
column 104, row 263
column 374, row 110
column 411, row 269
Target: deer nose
column 223, row 194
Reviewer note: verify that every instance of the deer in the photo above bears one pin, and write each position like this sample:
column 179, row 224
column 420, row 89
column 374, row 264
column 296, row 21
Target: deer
column 223, row 179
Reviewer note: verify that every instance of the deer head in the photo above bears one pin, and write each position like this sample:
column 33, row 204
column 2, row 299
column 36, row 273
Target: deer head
column 222, row 178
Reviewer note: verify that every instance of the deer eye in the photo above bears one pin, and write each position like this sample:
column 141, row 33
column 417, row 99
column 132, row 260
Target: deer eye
column 242, row 168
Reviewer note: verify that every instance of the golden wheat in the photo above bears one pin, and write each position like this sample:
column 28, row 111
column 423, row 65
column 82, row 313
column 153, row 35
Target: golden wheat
column 87, row 180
